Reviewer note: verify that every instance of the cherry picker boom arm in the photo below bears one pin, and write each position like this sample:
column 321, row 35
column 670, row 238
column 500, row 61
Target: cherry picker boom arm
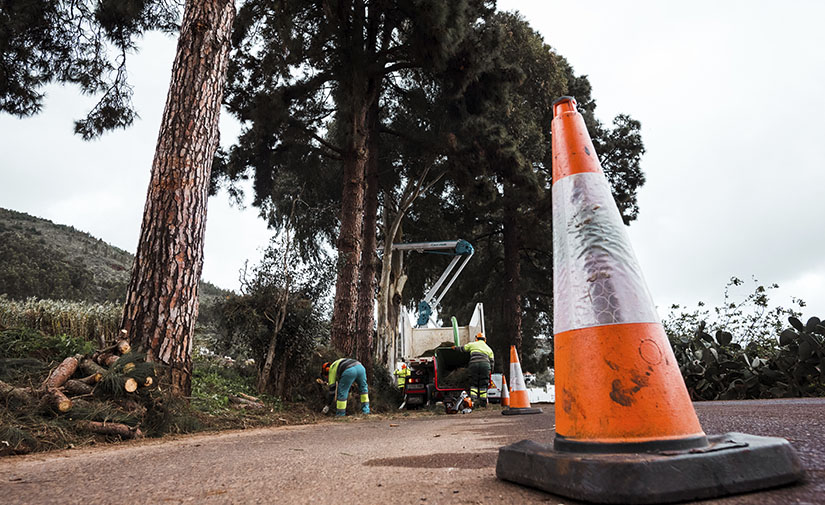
column 459, row 249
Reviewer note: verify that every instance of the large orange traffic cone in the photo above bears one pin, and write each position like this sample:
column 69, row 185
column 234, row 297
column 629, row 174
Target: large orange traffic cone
column 619, row 386
column 505, row 394
column 519, row 401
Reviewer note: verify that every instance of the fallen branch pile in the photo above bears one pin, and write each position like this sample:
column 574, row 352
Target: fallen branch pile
column 111, row 373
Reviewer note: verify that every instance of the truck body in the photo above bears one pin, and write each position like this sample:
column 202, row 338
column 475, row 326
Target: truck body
column 430, row 362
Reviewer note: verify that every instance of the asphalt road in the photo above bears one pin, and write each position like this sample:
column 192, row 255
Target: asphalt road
column 423, row 460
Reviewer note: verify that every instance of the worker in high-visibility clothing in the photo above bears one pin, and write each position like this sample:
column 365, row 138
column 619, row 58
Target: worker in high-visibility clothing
column 401, row 375
column 341, row 374
column 481, row 363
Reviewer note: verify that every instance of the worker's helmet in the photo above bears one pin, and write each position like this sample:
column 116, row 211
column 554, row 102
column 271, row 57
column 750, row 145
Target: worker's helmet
column 403, row 365
column 325, row 367
column 480, row 336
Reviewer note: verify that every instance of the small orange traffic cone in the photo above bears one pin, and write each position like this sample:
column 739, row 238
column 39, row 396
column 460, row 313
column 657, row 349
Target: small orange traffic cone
column 505, row 394
column 519, row 401
column 622, row 401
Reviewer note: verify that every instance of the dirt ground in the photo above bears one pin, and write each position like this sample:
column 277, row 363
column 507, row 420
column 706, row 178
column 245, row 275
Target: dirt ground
column 422, row 459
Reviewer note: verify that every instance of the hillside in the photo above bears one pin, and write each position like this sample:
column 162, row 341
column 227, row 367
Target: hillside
column 39, row 258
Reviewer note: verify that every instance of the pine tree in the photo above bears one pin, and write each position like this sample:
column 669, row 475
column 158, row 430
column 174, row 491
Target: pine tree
column 161, row 303
column 299, row 65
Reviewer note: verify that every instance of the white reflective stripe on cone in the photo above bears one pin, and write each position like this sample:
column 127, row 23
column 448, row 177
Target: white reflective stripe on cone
column 516, row 377
column 597, row 279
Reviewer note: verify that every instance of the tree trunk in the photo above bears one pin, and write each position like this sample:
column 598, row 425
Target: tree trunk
column 266, row 371
column 349, row 236
column 366, row 288
column 512, row 284
column 89, row 367
column 162, row 298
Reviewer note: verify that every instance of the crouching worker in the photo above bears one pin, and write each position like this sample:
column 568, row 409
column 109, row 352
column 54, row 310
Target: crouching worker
column 341, row 374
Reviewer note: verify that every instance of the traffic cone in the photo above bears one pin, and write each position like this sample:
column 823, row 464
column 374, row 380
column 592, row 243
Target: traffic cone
column 505, row 394
column 626, row 430
column 519, row 401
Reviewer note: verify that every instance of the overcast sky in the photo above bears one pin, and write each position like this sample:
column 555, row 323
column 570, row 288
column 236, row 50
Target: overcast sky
column 730, row 94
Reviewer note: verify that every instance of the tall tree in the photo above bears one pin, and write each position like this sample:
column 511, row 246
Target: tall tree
column 323, row 59
column 161, row 304
column 505, row 210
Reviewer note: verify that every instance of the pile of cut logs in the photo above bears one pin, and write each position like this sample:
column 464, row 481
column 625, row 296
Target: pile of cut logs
column 59, row 388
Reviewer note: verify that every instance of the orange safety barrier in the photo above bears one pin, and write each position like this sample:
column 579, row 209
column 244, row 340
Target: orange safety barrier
column 618, row 385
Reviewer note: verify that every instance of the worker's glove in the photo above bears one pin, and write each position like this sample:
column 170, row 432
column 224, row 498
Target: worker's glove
column 454, row 348
column 325, row 409
column 319, row 381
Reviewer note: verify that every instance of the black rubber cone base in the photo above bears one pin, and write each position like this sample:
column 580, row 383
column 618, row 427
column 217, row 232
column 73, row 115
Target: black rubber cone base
column 518, row 411
column 732, row 463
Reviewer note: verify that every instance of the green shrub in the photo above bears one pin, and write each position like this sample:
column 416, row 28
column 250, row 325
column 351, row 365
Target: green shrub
column 741, row 351
column 28, row 343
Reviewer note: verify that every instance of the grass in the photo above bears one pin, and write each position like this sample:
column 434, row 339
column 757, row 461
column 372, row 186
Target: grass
column 79, row 320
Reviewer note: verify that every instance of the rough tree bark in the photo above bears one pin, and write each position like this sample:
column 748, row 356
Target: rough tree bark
column 349, row 235
column 162, row 298
column 512, row 276
column 366, row 288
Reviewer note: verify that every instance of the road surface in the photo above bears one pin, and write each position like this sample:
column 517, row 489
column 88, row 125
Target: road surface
column 423, row 460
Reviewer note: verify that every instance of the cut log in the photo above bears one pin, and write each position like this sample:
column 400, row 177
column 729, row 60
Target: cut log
column 249, row 397
column 92, row 379
column 61, row 374
column 116, row 429
column 76, row 387
column 128, row 367
column 89, row 367
column 244, row 403
column 119, row 347
column 130, row 385
column 148, row 382
column 123, row 346
column 55, row 399
column 20, row 395
column 106, row 359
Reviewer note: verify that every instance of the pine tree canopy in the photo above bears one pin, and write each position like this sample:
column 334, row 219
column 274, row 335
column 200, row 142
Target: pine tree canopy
column 83, row 42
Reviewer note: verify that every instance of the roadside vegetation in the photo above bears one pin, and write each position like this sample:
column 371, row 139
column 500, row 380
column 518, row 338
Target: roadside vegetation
column 743, row 349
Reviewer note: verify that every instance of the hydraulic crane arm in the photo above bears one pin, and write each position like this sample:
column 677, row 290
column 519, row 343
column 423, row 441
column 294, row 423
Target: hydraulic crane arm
column 461, row 250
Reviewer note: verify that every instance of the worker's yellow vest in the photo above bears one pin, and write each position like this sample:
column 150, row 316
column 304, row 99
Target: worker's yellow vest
column 402, row 375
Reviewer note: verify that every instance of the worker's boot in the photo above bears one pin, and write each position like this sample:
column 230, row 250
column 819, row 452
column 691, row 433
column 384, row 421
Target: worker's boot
column 340, row 412
column 365, row 409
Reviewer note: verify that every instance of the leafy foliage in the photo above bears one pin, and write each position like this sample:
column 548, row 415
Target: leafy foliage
column 746, row 351
column 29, row 343
column 248, row 320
